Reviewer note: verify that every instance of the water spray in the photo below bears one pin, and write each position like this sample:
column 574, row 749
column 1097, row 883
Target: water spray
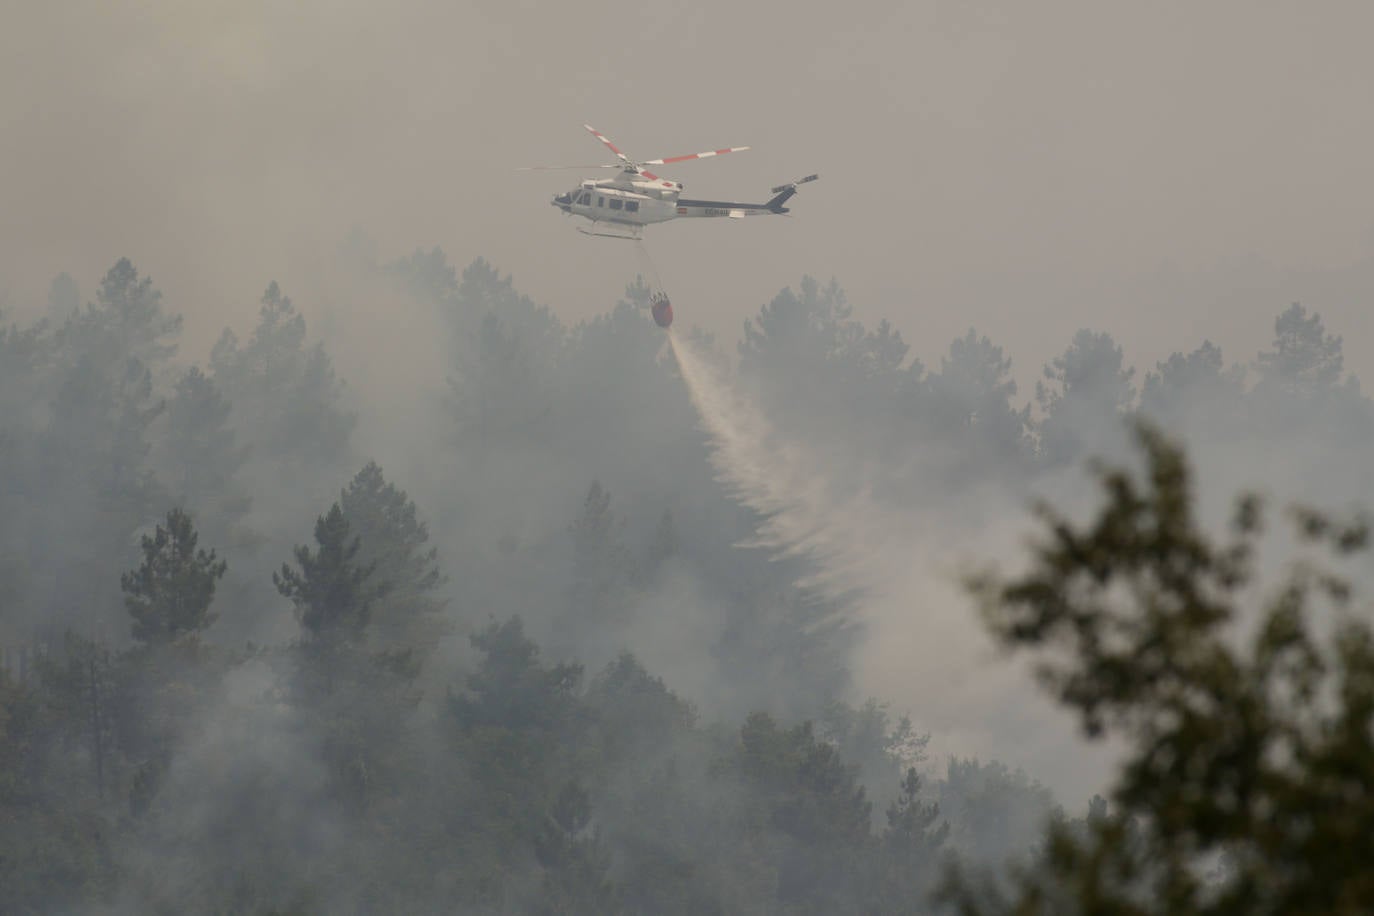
column 802, row 515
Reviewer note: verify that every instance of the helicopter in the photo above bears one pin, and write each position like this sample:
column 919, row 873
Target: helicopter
column 622, row 206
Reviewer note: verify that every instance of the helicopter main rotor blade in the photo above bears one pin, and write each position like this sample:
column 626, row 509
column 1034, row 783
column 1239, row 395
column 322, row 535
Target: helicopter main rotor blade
column 545, row 168
column 706, row 155
column 602, row 137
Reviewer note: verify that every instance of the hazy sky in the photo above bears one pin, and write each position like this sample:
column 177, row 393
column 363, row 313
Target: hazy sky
column 1164, row 171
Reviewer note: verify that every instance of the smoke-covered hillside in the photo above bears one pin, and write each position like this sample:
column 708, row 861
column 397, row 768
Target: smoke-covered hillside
column 489, row 613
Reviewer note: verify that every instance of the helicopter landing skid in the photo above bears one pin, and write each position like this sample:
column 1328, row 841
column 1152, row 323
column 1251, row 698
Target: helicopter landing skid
column 630, row 233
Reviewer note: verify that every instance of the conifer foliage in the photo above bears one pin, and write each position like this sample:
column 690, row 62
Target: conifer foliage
column 169, row 595
column 331, row 590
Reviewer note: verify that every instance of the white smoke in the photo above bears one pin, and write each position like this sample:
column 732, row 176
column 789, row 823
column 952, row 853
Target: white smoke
column 901, row 576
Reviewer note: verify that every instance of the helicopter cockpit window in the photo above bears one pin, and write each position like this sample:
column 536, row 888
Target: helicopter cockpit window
column 632, row 206
column 586, row 198
column 616, row 203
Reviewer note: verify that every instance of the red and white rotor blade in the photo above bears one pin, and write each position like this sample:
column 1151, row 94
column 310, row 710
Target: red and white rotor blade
column 546, row 168
column 602, row 137
column 706, row 155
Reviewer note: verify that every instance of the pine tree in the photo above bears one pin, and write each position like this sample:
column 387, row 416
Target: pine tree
column 283, row 391
column 598, row 598
column 200, row 453
column 332, row 591
column 99, row 486
column 576, row 864
column 1088, row 393
column 909, row 855
column 662, row 547
column 972, row 405
column 169, row 595
column 395, row 542
column 1305, row 359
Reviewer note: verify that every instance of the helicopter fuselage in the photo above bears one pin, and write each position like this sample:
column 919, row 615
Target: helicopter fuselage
column 612, row 202
column 622, row 206
column 632, row 201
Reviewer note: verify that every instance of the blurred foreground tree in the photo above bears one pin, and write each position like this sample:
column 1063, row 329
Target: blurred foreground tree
column 1248, row 784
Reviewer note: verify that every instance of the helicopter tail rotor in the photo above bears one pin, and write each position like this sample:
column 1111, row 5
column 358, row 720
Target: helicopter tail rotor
column 783, row 193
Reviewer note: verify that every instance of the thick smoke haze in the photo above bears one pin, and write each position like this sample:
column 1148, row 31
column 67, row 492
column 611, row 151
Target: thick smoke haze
column 530, row 606
column 904, row 580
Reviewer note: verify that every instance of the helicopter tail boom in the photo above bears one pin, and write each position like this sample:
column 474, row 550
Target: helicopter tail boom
column 734, row 210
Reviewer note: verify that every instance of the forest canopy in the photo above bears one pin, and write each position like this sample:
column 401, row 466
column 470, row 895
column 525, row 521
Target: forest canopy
column 248, row 667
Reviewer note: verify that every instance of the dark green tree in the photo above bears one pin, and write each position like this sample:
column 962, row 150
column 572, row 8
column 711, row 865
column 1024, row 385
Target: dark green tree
column 575, row 862
column 970, row 405
column 24, row 362
column 505, row 353
column 98, row 484
column 996, row 814
column 811, row 325
column 1304, row 359
column 636, row 713
column 127, row 321
column 165, row 680
column 515, row 726
column 598, row 599
column 170, row 593
column 332, row 591
column 502, row 390
column 1258, row 754
column 659, row 552
column 1194, row 385
column 395, row 544
column 511, row 688
column 913, row 825
column 909, row 854
column 483, row 292
column 809, row 798
column 76, row 689
column 427, row 275
column 1085, row 393
column 809, row 358
column 55, row 842
column 200, row 453
column 285, row 394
